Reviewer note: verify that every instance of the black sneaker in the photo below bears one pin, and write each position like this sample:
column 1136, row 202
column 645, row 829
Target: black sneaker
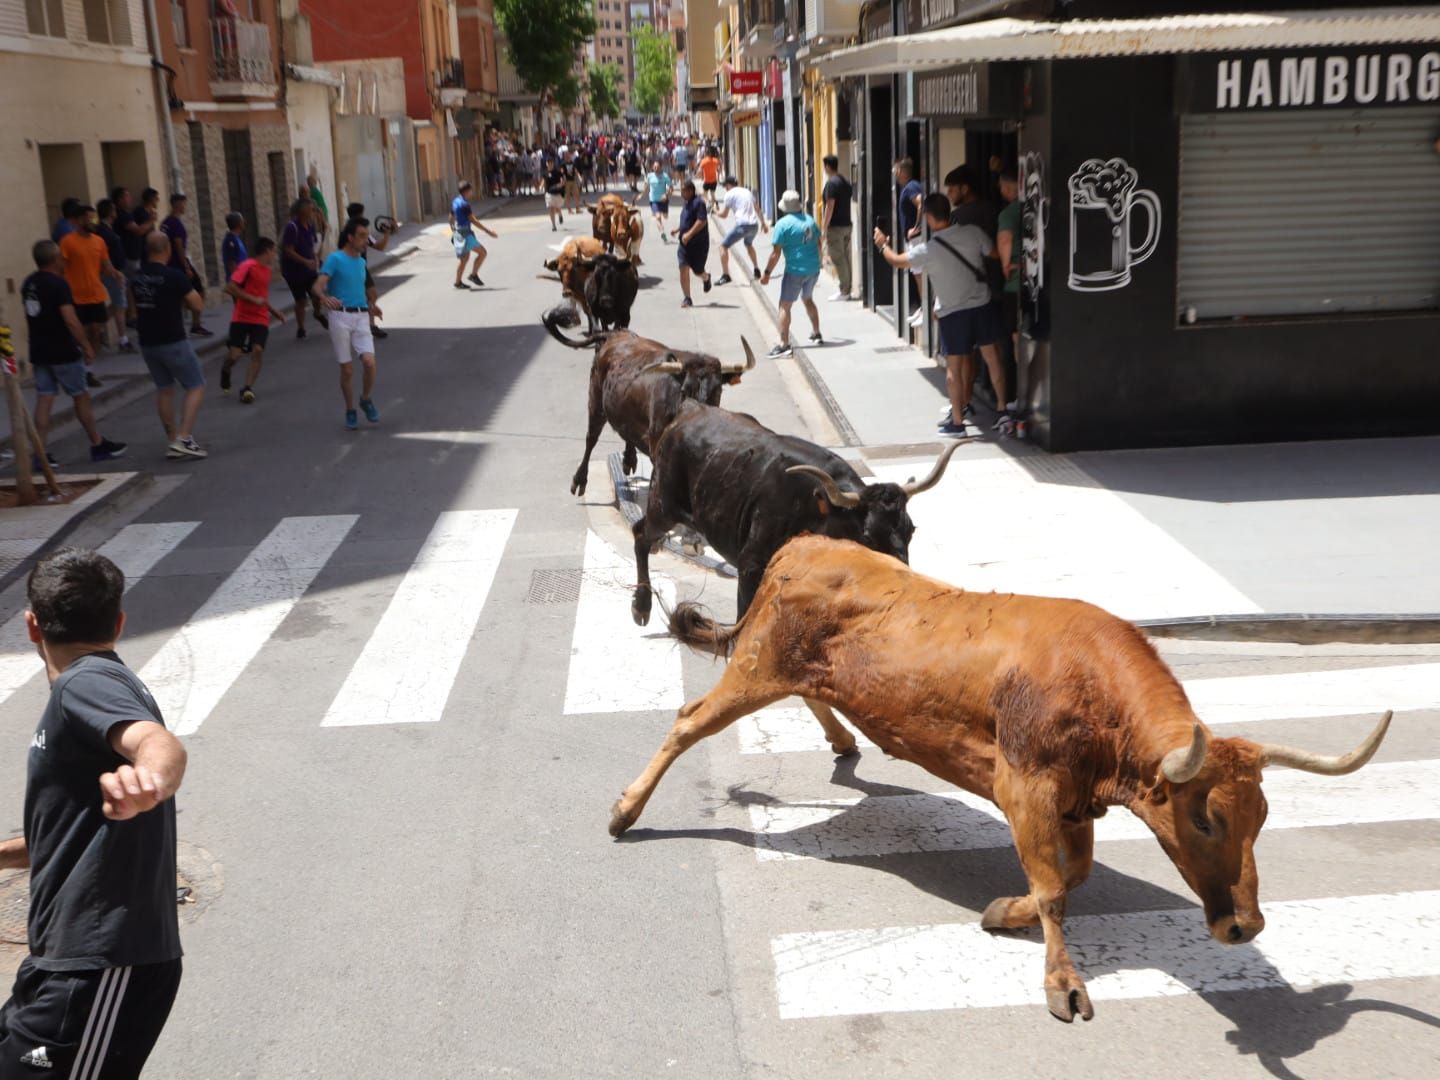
column 783, row 349
column 757, row 273
column 201, row 331
column 301, row 333
column 105, row 450
column 378, row 334
column 247, row 396
column 462, row 285
column 816, row 339
column 224, row 380
column 476, row 279
column 706, row 283
column 723, row 279
column 91, row 381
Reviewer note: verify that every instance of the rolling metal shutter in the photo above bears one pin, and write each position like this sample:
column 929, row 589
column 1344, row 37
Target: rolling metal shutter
column 1309, row 213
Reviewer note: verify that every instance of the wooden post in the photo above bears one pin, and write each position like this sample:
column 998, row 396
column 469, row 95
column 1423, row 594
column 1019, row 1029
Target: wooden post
column 19, row 426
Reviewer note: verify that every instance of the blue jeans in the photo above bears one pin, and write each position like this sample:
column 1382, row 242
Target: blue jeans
column 50, row 379
column 797, row 287
column 172, row 363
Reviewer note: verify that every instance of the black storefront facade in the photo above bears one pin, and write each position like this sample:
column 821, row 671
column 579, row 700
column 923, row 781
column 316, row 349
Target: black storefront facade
column 1227, row 245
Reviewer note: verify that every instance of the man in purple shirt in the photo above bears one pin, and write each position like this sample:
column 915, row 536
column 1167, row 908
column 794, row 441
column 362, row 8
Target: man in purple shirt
column 300, row 262
column 174, row 228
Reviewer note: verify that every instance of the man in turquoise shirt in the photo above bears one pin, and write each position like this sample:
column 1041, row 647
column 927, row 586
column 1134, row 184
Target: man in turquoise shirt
column 797, row 237
column 341, row 288
column 657, row 185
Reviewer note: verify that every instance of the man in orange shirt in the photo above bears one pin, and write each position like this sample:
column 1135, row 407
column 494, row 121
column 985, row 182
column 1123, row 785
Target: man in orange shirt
column 710, row 174
column 87, row 258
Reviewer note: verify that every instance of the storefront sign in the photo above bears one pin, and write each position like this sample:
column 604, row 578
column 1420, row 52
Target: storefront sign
column 745, row 118
column 747, row 82
column 970, row 90
column 1364, row 77
column 933, row 14
column 877, row 23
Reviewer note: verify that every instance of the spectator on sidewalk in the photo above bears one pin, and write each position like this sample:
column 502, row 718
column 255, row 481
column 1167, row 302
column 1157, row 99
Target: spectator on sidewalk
column 796, row 236
column 162, row 293
column 1008, row 248
column 59, row 346
column 249, row 285
column 967, row 205
column 341, row 287
column 693, row 249
column 87, row 271
column 740, row 202
column 836, row 226
column 909, row 199
column 65, row 223
column 104, row 967
column 232, row 248
column 132, row 239
column 953, row 259
column 174, row 228
column 115, row 285
column 299, row 265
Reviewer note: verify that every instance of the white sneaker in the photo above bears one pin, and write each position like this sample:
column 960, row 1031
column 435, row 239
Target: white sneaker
column 840, row 296
column 186, row 447
column 917, row 318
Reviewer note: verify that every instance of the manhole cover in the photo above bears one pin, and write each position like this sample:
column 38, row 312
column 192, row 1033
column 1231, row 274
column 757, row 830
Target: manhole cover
column 554, row 586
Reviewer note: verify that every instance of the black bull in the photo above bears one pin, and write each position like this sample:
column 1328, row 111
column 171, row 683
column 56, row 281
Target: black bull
column 638, row 385
column 748, row 490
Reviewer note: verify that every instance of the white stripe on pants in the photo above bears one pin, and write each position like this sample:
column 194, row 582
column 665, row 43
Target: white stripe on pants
column 95, row 1043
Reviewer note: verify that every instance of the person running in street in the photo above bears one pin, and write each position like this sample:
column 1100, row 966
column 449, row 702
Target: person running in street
column 555, row 193
column 572, row 183
column 694, row 235
column 108, row 214
column 174, row 228
column 709, row 169
column 953, row 259
column 87, row 270
column 341, row 288
column 299, row 265
column 836, row 226
column 796, row 236
column 162, row 293
column 59, row 346
column 249, row 285
column 463, row 222
column 232, row 249
column 657, row 186
column 93, row 995
column 739, row 202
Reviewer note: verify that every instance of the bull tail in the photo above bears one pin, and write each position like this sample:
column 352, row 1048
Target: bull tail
column 565, row 315
column 692, row 625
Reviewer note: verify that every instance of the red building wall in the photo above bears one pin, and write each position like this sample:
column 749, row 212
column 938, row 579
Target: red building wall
column 346, row 30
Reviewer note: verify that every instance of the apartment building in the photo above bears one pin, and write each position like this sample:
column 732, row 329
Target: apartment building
column 612, row 43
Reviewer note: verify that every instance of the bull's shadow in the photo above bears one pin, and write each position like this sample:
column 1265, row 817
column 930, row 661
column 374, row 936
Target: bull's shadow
column 1275, row 1022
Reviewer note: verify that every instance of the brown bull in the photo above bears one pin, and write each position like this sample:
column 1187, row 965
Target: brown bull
column 638, row 386
column 574, row 263
column 618, row 227
column 1053, row 709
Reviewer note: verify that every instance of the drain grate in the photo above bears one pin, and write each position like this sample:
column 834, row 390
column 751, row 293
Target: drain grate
column 554, row 586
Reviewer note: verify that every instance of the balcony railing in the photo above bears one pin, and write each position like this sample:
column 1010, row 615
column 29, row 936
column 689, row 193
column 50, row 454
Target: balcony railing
column 242, row 51
column 451, row 73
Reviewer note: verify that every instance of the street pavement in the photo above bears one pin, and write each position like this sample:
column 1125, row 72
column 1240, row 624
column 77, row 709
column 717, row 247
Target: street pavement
column 404, row 665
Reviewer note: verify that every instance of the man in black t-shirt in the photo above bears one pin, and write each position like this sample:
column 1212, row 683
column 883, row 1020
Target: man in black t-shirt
column 555, row 194
column 835, row 225
column 163, row 293
column 57, row 343
column 104, row 966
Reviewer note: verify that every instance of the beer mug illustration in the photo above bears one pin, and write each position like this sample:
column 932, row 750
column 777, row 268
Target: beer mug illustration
column 1103, row 197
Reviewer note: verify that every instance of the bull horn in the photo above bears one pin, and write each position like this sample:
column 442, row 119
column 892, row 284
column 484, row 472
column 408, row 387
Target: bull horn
column 749, row 365
column 1327, row 764
column 911, row 488
column 585, row 262
column 669, row 366
column 1185, row 762
column 846, row 500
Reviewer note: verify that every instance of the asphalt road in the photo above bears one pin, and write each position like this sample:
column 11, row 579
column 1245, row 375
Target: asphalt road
column 411, row 690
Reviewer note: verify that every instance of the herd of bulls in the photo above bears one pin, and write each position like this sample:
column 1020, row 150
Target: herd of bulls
column 1053, row 709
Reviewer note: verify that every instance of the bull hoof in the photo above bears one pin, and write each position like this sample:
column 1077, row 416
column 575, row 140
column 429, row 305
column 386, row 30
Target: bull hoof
column 577, row 486
column 619, row 820
column 845, row 751
column 997, row 914
column 1064, row 1002
column 640, row 612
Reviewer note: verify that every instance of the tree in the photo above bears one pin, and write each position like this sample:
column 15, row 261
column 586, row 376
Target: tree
column 603, row 86
column 654, row 69
column 542, row 37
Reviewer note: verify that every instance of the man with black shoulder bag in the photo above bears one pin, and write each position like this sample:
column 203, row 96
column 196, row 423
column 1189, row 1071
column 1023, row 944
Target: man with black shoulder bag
column 953, row 260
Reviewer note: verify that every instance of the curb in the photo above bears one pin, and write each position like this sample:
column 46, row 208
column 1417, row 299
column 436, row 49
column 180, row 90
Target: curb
column 59, row 536
column 628, row 496
column 1301, row 629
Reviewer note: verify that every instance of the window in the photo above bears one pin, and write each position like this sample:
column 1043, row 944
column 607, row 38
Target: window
column 45, row 17
column 107, row 21
column 178, row 21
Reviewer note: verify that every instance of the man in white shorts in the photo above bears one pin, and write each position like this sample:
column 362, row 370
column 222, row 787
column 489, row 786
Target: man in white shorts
column 740, row 204
column 341, row 288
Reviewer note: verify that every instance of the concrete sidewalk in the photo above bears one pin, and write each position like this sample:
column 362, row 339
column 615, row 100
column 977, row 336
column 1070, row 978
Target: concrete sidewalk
column 1325, row 528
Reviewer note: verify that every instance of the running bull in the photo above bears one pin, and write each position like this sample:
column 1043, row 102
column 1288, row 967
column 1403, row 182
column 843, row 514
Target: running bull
column 747, row 490
column 618, row 227
column 602, row 285
column 1053, row 709
column 638, row 385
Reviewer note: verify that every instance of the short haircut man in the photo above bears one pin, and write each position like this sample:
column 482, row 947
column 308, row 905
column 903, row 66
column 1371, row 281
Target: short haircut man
column 831, row 162
column 44, row 252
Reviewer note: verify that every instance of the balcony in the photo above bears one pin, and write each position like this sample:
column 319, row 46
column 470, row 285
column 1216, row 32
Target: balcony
column 762, row 28
column 450, row 82
column 830, row 24
column 243, row 65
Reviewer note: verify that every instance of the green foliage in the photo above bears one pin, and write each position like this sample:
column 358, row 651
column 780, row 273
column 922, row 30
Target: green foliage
column 654, row 69
column 541, row 39
column 603, row 88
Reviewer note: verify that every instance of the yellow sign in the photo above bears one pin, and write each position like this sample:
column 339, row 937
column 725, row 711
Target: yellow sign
column 746, row 118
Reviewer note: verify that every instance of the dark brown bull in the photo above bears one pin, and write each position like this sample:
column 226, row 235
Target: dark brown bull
column 1053, row 709
column 638, row 385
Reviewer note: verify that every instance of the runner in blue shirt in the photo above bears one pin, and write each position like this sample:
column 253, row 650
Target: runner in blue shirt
column 657, row 185
column 463, row 222
column 796, row 236
column 341, row 288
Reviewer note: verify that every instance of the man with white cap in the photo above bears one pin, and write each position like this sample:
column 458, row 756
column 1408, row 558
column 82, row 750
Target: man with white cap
column 797, row 236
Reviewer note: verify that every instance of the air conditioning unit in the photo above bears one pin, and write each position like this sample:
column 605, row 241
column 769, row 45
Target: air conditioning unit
column 837, row 19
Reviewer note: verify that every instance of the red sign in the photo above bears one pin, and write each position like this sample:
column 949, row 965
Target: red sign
column 747, row 82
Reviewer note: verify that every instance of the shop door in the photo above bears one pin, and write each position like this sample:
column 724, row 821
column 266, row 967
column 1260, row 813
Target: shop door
column 990, row 152
column 240, row 180
column 880, row 155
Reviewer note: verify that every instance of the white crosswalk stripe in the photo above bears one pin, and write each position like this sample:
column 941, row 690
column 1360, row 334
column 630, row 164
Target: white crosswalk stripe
column 406, row 669
column 135, row 549
column 1131, row 955
column 198, row 664
column 616, row 666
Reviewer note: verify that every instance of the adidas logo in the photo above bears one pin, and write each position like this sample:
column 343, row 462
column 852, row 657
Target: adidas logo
column 38, row 1058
